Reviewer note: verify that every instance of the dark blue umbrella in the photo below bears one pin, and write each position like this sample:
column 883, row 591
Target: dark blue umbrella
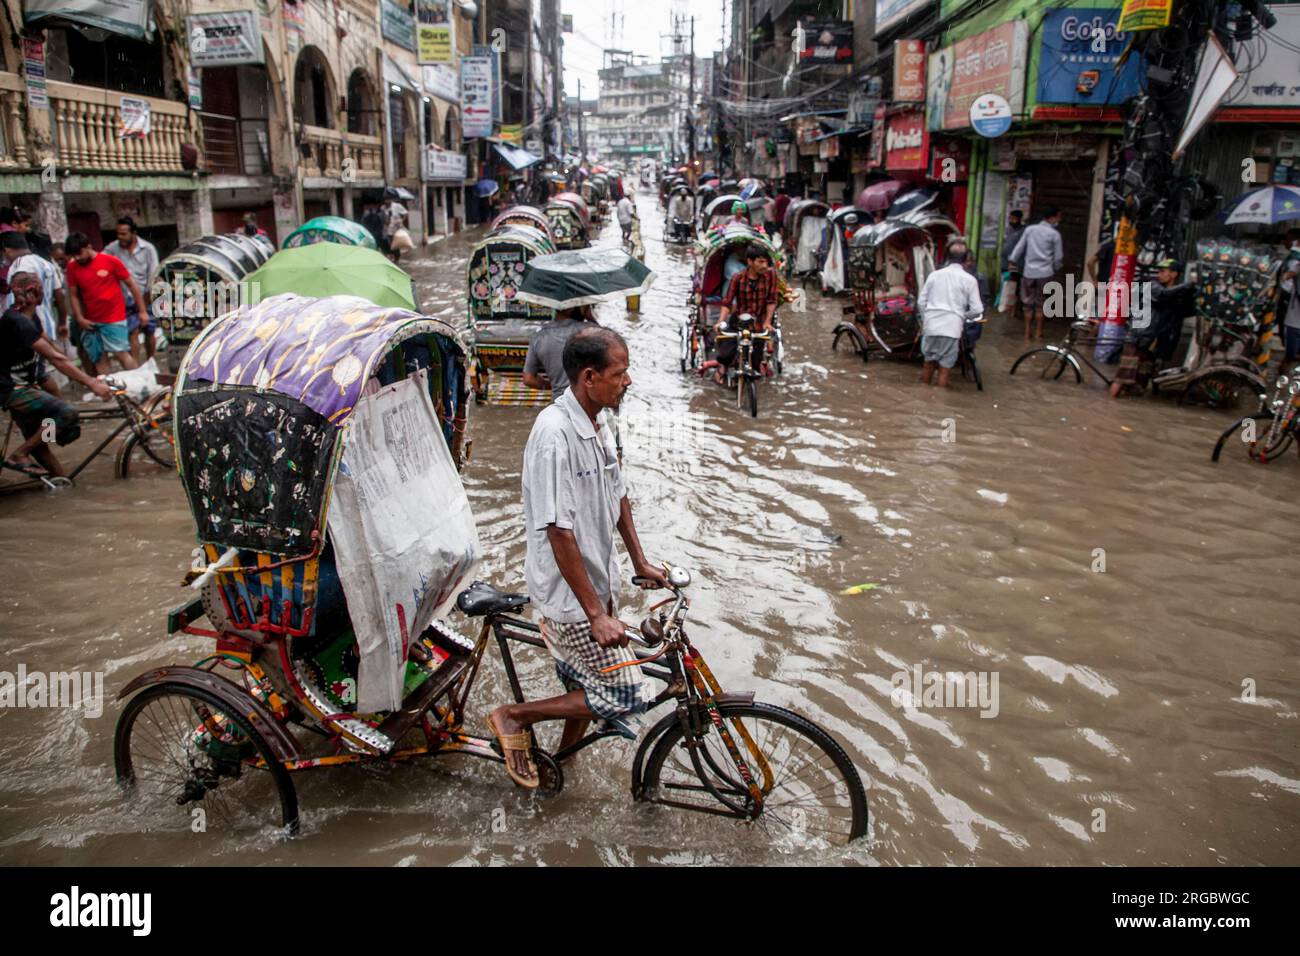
column 485, row 188
column 1267, row 206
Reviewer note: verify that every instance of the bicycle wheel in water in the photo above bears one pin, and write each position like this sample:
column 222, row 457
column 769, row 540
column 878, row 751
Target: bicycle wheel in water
column 1049, row 361
column 810, row 787
column 179, row 748
column 1261, row 448
column 149, row 447
column 751, row 396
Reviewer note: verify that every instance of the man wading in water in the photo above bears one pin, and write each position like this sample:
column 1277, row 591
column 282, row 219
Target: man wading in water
column 574, row 501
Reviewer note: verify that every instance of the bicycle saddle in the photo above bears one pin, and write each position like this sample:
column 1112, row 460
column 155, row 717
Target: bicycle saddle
column 479, row 599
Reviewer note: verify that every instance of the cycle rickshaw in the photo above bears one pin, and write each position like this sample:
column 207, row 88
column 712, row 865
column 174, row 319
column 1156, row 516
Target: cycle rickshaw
column 570, row 220
column 888, row 263
column 305, row 427
column 501, row 324
column 330, row 229
column 522, row 216
column 677, row 230
column 801, row 232
column 718, row 256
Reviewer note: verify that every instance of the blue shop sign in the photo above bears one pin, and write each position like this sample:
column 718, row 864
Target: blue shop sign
column 1077, row 56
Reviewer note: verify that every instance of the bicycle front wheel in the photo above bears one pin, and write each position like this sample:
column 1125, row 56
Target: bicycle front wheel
column 809, row 788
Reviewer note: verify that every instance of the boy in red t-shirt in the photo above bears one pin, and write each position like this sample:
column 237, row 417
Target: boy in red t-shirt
column 98, row 306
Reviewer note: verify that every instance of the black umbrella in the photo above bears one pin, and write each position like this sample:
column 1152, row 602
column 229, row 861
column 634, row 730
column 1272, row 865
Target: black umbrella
column 566, row 280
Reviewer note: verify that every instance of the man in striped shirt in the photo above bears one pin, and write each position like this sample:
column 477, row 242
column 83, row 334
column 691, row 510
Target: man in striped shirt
column 750, row 292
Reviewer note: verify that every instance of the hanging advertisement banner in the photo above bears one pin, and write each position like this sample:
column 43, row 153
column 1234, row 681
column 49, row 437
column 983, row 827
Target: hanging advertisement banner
column 225, row 39
column 907, row 141
column 194, row 88
column 133, row 119
column 476, row 96
column 1071, row 68
column 825, row 42
column 128, row 18
column 441, row 81
column 909, row 71
column 991, row 62
column 433, row 31
column 38, row 98
column 1145, row 14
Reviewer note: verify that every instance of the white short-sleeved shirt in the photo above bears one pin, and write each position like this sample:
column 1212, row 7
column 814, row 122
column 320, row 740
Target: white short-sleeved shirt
column 51, row 277
column 571, row 479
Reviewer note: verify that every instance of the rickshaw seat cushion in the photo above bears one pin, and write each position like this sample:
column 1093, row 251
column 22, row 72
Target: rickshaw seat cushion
column 479, row 599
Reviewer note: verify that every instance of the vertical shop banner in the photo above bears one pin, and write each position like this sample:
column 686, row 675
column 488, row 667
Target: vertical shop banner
column 225, row 39
column 909, row 71
column 194, row 87
column 1116, row 303
column 433, row 31
column 1145, row 14
column 995, row 194
column 1021, row 193
column 294, row 25
column 1070, row 67
column 991, row 62
column 476, row 96
column 495, row 59
column 878, row 139
column 38, row 98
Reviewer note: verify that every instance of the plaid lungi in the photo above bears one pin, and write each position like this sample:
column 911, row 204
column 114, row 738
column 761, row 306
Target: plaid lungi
column 618, row 697
column 32, row 407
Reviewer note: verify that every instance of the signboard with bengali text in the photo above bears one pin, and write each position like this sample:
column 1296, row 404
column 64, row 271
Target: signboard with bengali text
column 990, row 62
column 909, row 71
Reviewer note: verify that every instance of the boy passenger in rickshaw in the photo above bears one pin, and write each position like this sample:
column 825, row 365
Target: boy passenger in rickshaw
column 23, row 351
column 754, row 292
column 574, row 503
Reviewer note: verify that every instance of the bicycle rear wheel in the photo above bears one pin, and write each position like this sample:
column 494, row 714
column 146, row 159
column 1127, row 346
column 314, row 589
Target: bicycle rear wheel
column 810, row 788
column 1048, row 362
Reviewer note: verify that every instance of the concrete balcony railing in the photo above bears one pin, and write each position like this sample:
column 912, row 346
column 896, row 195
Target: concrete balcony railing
column 86, row 130
column 368, row 155
column 327, row 155
column 13, row 137
column 322, row 152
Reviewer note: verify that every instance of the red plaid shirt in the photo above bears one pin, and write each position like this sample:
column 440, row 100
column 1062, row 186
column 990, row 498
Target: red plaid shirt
column 751, row 295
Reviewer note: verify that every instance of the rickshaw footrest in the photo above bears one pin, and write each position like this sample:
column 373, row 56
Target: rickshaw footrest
column 415, row 706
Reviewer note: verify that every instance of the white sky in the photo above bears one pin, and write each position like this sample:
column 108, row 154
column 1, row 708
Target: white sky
column 642, row 22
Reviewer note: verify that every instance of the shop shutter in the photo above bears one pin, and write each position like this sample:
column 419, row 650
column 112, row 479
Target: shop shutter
column 1068, row 187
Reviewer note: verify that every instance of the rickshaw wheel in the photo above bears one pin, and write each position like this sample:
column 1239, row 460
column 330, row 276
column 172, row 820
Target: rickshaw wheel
column 155, row 442
column 856, row 341
column 177, row 746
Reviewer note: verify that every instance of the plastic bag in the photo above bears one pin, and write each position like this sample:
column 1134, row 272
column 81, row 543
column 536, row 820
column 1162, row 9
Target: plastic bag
column 404, row 537
column 401, row 241
column 139, row 383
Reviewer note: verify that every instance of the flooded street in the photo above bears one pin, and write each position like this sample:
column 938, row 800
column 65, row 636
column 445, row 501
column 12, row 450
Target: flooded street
column 1121, row 734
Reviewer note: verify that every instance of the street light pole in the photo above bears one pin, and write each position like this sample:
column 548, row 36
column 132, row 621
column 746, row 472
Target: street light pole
column 690, row 103
column 582, row 132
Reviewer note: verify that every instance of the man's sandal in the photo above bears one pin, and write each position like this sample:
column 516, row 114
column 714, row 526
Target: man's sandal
column 516, row 742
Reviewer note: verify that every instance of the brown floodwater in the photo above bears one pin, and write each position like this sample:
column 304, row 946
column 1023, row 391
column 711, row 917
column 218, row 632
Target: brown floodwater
column 1122, row 734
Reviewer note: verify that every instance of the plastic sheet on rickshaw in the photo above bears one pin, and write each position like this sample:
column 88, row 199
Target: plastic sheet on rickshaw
column 404, row 536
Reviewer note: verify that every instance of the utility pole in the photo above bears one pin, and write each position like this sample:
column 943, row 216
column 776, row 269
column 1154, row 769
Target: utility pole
column 690, row 104
column 582, row 133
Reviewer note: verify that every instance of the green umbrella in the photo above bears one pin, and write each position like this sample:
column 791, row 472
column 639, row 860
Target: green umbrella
column 565, row 280
column 327, row 268
column 330, row 229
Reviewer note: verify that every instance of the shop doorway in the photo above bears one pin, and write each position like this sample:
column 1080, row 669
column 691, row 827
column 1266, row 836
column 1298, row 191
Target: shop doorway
column 1068, row 187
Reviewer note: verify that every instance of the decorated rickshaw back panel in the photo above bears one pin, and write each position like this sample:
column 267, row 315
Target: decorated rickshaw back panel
column 255, row 467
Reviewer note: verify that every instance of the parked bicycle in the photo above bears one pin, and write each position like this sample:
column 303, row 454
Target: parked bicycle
column 148, row 428
column 1267, row 434
column 1051, row 361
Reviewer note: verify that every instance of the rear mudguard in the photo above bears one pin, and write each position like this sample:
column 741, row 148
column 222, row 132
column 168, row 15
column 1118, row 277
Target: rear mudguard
column 852, row 329
column 658, row 730
column 281, row 742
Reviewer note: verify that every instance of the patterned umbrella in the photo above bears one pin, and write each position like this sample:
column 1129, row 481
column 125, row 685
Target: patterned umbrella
column 1266, row 206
